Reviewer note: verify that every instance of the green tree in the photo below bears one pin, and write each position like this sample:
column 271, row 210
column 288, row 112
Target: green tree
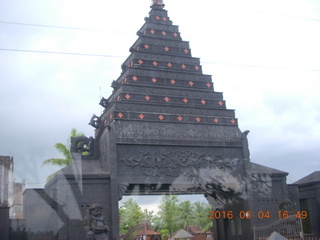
column 130, row 215
column 201, row 213
column 151, row 217
column 64, row 149
column 167, row 211
column 184, row 215
column 164, row 234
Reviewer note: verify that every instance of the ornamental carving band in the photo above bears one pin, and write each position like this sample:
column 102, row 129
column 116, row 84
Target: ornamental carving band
column 172, row 109
column 225, row 133
column 171, row 75
column 178, row 163
column 146, row 90
column 176, row 159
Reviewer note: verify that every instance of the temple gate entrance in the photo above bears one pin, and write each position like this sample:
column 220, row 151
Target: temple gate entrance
column 164, row 130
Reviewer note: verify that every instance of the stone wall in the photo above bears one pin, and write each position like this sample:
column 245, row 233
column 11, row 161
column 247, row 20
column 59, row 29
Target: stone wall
column 6, row 179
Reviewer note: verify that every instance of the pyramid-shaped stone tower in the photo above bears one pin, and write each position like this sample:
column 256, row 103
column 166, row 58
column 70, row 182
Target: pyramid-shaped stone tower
column 162, row 98
column 162, row 87
column 164, row 117
column 164, row 128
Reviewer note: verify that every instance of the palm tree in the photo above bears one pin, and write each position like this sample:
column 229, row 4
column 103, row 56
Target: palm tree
column 64, row 149
column 130, row 215
column 165, row 234
column 201, row 213
column 184, row 216
column 167, row 211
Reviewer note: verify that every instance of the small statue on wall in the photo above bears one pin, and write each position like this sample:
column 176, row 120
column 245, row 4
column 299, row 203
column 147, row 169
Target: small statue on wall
column 286, row 205
column 157, row 1
column 157, row 4
column 95, row 223
column 83, row 145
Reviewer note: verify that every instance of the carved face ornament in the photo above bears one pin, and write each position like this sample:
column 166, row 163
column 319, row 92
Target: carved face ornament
column 184, row 158
column 96, row 212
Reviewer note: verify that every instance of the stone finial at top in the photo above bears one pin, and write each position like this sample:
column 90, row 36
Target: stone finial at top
column 157, row 4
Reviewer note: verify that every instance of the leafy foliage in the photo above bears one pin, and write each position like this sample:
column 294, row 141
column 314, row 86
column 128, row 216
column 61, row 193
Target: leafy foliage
column 130, row 215
column 64, row 149
column 184, row 215
column 164, row 234
column 151, row 217
column 171, row 216
column 201, row 213
column 167, row 210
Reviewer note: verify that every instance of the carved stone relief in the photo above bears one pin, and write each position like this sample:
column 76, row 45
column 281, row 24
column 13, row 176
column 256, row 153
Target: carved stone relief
column 160, row 42
column 172, row 28
column 103, row 145
column 177, row 110
column 172, row 92
column 121, row 190
column 165, row 74
column 159, row 13
column 185, row 132
column 168, row 58
column 175, row 163
column 154, row 20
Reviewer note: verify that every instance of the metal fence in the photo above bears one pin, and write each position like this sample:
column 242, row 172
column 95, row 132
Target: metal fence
column 290, row 228
column 310, row 237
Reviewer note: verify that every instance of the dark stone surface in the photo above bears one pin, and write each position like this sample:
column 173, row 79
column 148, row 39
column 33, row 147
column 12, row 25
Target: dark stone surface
column 4, row 223
column 309, row 198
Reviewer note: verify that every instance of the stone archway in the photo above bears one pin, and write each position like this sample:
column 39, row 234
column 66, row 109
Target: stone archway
column 166, row 130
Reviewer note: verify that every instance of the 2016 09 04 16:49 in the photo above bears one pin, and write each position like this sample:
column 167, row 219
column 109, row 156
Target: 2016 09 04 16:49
column 259, row 215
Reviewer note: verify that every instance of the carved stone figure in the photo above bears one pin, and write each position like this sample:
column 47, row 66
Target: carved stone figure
column 158, row 2
column 95, row 224
column 286, row 205
column 95, row 121
column 83, row 145
column 104, row 102
column 114, row 84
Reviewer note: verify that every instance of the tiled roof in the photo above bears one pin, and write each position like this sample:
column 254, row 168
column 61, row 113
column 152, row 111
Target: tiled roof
column 195, row 230
column 313, row 177
column 147, row 232
column 182, row 234
column 257, row 168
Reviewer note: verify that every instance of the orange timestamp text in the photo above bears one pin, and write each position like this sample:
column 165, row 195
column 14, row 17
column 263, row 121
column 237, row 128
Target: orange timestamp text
column 259, row 214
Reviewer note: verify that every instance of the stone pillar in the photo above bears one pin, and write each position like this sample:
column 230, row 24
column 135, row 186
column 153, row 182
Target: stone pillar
column 4, row 223
column 112, row 163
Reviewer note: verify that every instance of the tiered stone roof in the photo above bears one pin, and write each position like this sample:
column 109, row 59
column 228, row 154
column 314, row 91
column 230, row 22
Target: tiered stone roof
column 162, row 82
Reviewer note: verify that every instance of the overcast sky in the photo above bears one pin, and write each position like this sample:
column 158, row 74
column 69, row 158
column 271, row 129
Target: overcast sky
column 263, row 55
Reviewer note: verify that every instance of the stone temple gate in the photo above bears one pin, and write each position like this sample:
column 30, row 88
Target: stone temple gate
column 164, row 130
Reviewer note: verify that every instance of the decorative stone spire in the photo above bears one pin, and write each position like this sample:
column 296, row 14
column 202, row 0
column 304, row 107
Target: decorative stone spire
column 162, row 91
column 157, row 4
